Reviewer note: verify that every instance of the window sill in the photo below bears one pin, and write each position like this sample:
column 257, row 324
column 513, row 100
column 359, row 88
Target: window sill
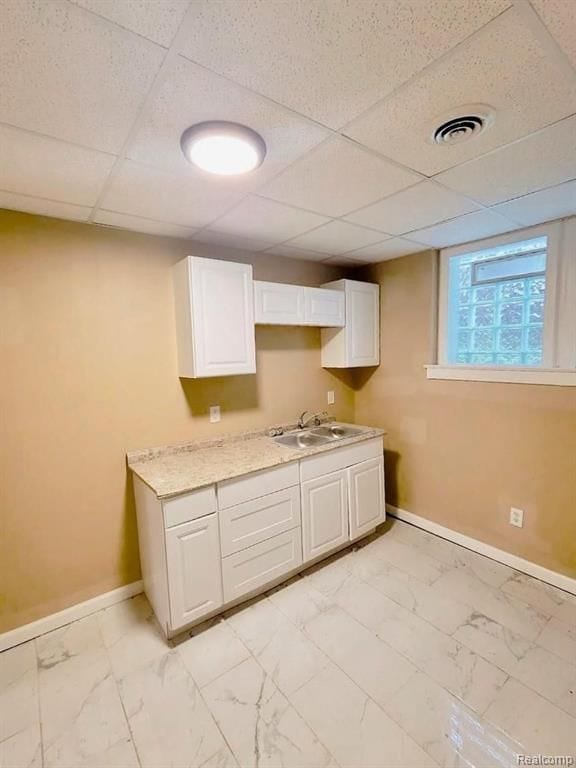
column 559, row 377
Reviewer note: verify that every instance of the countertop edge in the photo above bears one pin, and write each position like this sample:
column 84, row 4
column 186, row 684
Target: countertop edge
column 137, row 467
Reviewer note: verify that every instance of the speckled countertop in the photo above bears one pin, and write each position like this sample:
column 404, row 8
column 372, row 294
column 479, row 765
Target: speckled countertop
column 171, row 470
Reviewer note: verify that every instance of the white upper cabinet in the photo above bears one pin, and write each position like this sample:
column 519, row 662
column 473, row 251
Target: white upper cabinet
column 358, row 342
column 214, row 318
column 278, row 303
column 324, row 307
column 282, row 304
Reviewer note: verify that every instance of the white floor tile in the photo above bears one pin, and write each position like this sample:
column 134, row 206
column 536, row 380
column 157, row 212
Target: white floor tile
column 454, row 735
column 493, row 641
column 169, row 720
column 378, row 669
column 550, row 676
column 259, row 723
column 211, row 652
column 355, row 729
column 560, row 638
column 537, row 725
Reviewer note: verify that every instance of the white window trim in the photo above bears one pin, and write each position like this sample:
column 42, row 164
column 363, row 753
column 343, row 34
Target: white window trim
column 559, row 312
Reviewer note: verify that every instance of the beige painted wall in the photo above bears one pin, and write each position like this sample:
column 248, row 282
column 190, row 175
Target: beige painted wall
column 461, row 453
column 87, row 346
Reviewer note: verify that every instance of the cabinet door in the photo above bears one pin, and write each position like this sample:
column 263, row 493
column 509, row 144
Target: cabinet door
column 278, row 304
column 324, row 307
column 366, row 496
column 324, row 514
column 194, row 571
column 362, row 324
column 215, row 318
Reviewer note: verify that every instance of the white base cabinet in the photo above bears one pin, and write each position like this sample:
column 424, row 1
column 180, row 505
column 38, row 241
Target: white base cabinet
column 324, row 514
column 193, row 558
column 366, row 496
column 208, row 549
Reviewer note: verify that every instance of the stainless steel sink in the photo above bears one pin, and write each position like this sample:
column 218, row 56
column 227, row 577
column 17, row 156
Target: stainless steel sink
column 336, row 431
column 302, row 439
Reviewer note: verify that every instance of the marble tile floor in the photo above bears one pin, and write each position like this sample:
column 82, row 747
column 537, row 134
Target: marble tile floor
column 407, row 650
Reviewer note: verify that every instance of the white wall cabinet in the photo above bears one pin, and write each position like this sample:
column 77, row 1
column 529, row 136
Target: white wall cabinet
column 358, row 342
column 193, row 558
column 214, row 304
column 366, row 496
column 283, row 304
column 324, row 514
column 278, row 303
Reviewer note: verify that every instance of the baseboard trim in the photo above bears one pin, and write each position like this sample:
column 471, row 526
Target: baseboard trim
column 554, row 578
column 79, row 611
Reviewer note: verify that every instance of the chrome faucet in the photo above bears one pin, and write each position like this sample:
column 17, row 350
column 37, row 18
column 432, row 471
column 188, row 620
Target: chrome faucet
column 315, row 417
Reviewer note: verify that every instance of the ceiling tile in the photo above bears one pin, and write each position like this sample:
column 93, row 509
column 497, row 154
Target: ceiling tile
column 44, row 167
column 542, row 160
column 504, row 66
column 70, row 74
column 231, row 241
column 545, row 205
column 419, row 206
column 342, row 261
column 138, row 224
column 560, row 18
column 329, row 59
column 157, row 20
column 291, row 252
column 389, row 249
column 182, row 198
column 37, row 205
column 190, row 94
column 337, row 237
column 473, row 226
column 316, row 181
column 257, row 217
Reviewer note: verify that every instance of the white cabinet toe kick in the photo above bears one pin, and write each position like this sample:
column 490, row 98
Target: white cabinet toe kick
column 207, row 550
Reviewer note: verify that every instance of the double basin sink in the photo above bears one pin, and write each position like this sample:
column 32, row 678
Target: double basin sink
column 327, row 433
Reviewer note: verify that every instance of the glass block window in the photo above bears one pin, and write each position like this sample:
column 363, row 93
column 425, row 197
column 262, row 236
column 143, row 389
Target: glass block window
column 496, row 305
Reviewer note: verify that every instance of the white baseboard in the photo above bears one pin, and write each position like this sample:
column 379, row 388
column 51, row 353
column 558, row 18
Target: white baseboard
column 559, row 580
column 68, row 615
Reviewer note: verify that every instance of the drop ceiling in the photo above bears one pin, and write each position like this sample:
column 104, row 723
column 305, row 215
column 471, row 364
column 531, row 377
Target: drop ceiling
column 94, row 95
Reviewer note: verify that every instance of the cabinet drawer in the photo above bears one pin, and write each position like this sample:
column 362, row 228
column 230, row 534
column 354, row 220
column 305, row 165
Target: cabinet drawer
column 190, row 506
column 256, row 566
column 340, row 458
column 246, row 524
column 257, row 484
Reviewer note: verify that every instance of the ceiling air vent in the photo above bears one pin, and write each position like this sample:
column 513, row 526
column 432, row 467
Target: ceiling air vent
column 462, row 124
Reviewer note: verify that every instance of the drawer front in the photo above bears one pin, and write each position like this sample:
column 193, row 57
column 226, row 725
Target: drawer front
column 246, row 524
column 340, row 458
column 257, row 566
column 241, row 489
column 190, row 506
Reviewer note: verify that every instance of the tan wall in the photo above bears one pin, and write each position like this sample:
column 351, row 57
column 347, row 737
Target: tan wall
column 461, row 453
column 87, row 347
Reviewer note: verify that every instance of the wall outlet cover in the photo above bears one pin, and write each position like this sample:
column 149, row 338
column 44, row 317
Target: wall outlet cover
column 516, row 517
column 214, row 414
column 331, row 397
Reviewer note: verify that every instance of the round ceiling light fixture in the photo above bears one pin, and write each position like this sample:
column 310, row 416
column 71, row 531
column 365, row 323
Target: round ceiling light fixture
column 223, row 148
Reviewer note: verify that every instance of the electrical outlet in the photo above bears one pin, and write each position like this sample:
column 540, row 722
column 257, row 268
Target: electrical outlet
column 516, row 517
column 331, row 397
column 214, row 414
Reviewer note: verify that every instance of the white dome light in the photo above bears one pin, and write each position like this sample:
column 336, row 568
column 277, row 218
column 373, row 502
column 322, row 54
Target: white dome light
column 222, row 148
